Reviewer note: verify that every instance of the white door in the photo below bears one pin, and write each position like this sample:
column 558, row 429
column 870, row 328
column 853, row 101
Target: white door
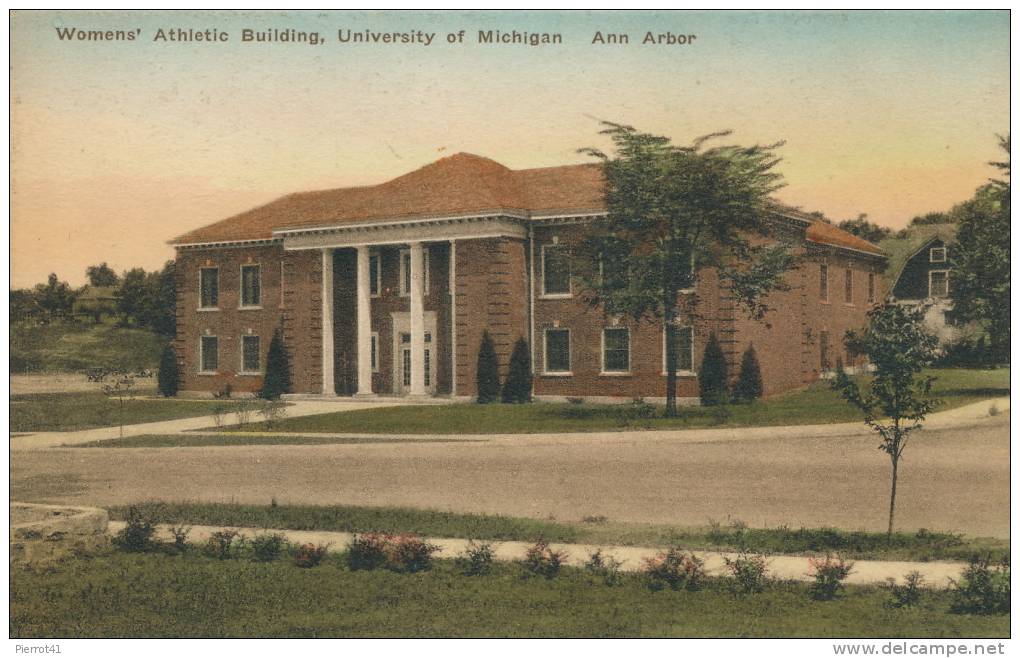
column 402, row 379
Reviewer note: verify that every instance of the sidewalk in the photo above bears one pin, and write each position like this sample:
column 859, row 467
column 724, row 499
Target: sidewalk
column 785, row 567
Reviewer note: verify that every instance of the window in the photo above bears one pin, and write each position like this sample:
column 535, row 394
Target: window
column 823, row 282
column 848, row 286
column 555, row 271
column 938, row 283
column 209, row 283
column 616, row 349
column 684, row 348
column 937, row 255
column 250, row 354
column 557, row 350
column 251, row 285
column 405, row 271
column 823, row 342
column 375, row 352
column 374, row 274
column 209, row 357
column 871, row 287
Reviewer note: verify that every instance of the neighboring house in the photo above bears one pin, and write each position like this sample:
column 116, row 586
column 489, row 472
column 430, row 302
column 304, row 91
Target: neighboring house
column 387, row 289
column 94, row 302
column 923, row 262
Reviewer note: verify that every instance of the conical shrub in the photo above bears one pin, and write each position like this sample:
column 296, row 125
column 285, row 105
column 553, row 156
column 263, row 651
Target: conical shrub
column 488, row 371
column 169, row 377
column 517, row 388
column 277, row 380
column 749, row 386
column 712, row 377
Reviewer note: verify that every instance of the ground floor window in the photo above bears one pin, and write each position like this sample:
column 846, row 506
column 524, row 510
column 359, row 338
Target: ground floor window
column 557, row 350
column 375, row 352
column 684, row 348
column 616, row 349
column 250, row 354
column 823, row 351
column 209, row 349
column 938, row 283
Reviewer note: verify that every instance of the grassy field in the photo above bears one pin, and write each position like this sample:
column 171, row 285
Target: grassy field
column 816, row 404
column 238, row 439
column 132, row 595
column 921, row 546
column 66, row 412
column 71, row 347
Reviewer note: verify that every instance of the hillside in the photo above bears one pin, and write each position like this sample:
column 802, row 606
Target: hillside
column 73, row 347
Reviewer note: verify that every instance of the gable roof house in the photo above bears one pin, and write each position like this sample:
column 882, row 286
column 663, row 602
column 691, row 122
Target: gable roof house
column 386, row 290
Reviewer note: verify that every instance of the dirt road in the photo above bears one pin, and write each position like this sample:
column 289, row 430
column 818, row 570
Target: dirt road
column 953, row 479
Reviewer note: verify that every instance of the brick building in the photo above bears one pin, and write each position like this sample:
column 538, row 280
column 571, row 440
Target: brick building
column 386, row 290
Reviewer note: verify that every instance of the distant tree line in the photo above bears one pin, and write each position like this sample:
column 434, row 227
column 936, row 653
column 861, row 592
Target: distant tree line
column 136, row 298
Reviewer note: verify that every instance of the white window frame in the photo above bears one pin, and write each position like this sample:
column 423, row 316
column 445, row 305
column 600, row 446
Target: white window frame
column 375, row 352
column 545, row 354
column 615, row 373
column 240, row 288
column 848, row 278
column 201, row 355
column 403, row 270
column 376, row 275
column 241, row 369
column 216, row 269
column 570, row 282
column 931, row 255
column 680, row 372
column 823, row 292
column 930, row 272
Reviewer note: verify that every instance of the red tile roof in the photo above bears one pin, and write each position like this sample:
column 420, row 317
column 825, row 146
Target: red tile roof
column 461, row 184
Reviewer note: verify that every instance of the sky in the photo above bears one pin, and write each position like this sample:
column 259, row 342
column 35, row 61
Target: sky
column 119, row 146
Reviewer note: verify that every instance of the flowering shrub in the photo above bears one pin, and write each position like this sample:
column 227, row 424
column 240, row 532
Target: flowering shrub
column 476, row 560
column 829, row 575
column 906, row 595
column 983, row 589
column 605, row 567
column 407, row 553
column 676, row 570
column 308, row 555
column 222, row 545
column 750, row 572
column 541, row 560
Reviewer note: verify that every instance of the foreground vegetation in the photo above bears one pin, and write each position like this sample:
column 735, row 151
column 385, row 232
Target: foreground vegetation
column 67, row 412
column 155, row 595
column 73, row 347
column 814, row 405
column 735, row 536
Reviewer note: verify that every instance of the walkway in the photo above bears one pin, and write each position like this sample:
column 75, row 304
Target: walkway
column 785, row 567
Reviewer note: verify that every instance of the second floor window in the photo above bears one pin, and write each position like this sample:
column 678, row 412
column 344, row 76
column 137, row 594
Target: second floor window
column 209, row 284
column 848, row 286
column 373, row 274
column 555, row 270
column 937, row 255
column 823, row 282
column 251, row 285
column 871, row 286
column 938, row 284
column 405, row 272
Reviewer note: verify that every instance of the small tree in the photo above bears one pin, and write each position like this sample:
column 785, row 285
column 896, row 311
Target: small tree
column 169, row 378
column 121, row 389
column 517, row 387
column 101, row 276
column 898, row 398
column 712, row 376
column 488, row 371
column 277, row 380
column 749, row 386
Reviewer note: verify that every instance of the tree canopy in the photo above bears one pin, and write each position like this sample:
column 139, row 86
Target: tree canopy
column 101, row 276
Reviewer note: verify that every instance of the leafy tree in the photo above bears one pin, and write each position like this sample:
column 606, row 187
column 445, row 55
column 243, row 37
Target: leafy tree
column 865, row 229
column 749, row 385
column 673, row 210
column 979, row 283
column 517, row 387
column 169, row 377
column 488, row 371
column 101, row 276
column 24, row 305
column 55, row 299
column 898, row 397
column 148, row 299
column 932, row 218
column 713, row 378
column 277, row 380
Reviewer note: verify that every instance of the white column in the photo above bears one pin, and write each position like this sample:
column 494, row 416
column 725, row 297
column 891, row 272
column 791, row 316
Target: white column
column 364, row 324
column 417, row 321
column 328, row 385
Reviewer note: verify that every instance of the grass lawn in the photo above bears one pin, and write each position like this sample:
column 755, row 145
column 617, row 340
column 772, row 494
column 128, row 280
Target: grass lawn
column 816, row 404
column 227, row 439
column 153, row 595
column 65, row 412
column 71, row 347
column 921, row 546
